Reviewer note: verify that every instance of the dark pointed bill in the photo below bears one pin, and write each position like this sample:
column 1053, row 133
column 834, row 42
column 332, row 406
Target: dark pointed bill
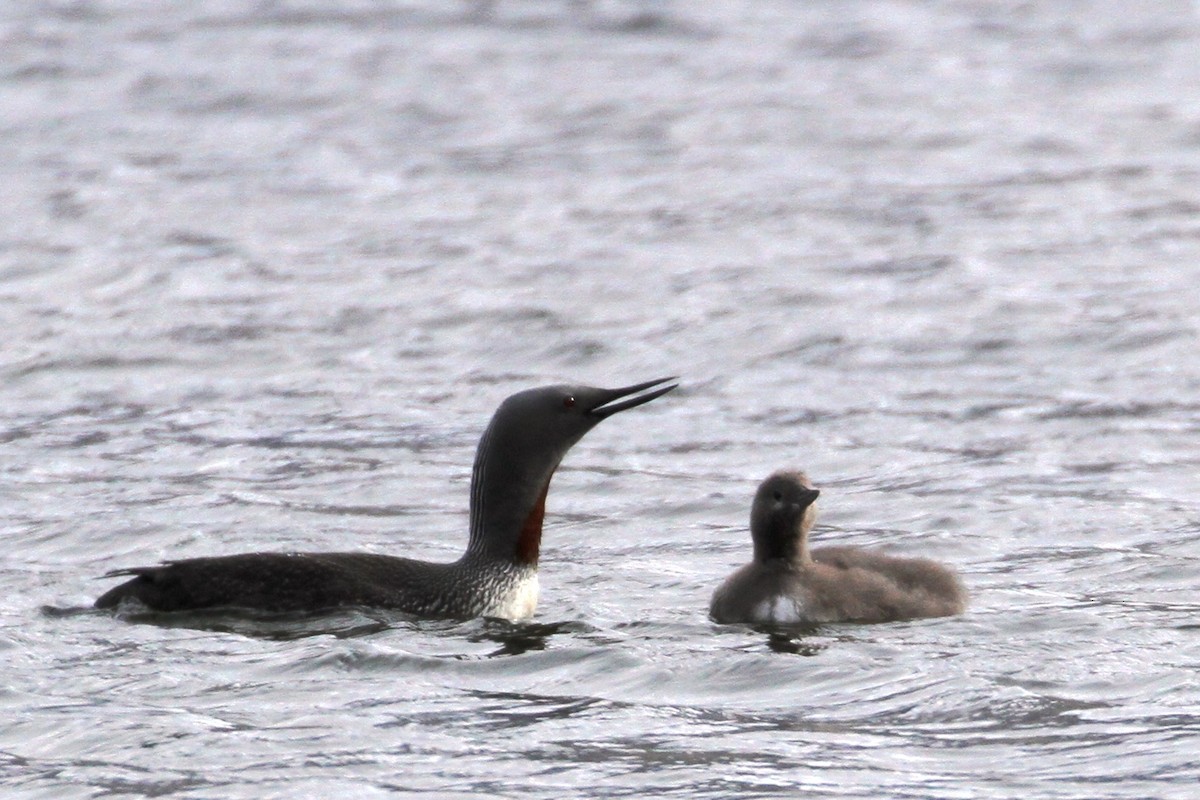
column 611, row 402
column 809, row 497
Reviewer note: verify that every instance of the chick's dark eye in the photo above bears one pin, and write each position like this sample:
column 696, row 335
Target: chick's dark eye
column 778, row 495
column 568, row 402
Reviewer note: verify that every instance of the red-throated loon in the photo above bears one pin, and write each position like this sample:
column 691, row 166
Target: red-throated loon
column 786, row 584
column 529, row 434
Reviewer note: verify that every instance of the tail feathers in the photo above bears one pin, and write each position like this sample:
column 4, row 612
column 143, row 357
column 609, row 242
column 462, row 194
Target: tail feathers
column 120, row 573
column 141, row 588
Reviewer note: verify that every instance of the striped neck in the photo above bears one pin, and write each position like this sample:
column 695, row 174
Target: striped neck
column 508, row 501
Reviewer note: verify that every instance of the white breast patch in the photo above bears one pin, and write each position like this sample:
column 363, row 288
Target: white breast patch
column 519, row 603
column 778, row 610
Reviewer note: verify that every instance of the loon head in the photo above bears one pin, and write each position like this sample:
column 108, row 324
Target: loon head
column 528, row 436
column 784, row 511
column 541, row 425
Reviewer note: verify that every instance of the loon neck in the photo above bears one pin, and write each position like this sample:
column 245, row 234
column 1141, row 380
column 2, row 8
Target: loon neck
column 508, row 504
column 778, row 541
column 529, row 540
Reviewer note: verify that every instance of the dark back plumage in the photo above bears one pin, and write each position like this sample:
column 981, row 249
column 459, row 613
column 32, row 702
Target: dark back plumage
column 522, row 446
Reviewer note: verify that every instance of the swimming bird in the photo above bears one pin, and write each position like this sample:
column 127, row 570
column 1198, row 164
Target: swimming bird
column 786, row 583
column 523, row 444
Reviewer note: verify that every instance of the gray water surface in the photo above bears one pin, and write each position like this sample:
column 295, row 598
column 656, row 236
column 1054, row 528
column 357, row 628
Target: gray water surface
column 267, row 269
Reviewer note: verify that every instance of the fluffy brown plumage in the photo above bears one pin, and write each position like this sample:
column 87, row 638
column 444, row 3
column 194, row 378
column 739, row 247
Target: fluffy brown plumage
column 786, row 583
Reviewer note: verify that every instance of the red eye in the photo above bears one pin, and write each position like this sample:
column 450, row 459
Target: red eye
column 568, row 402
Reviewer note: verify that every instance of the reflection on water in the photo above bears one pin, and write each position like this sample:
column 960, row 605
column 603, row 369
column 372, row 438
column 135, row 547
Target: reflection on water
column 277, row 626
column 512, row 638
column 794, row 643
column 518, row 638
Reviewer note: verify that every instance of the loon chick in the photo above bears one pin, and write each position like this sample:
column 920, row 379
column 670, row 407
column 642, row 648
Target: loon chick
column 496, row 577
column 788, row 584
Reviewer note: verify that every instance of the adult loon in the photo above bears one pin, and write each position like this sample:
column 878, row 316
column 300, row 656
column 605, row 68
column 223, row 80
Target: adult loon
column 528, row 436
column 788, row 584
